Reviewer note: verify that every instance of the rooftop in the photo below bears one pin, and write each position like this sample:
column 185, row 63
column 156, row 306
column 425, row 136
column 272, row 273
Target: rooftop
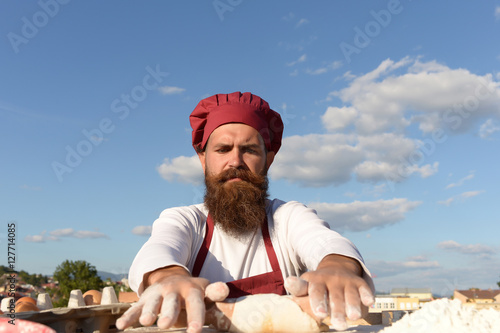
column 480, row 294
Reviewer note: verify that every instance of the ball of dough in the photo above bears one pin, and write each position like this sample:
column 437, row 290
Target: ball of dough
column 271, row 313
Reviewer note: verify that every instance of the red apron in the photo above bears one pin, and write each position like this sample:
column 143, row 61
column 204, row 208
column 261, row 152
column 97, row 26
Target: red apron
column 265, row 283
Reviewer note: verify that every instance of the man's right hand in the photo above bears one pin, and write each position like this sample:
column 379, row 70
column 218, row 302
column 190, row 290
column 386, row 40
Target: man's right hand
column 168, row 290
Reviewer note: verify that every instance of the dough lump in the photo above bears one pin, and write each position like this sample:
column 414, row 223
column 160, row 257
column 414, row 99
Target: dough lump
column 270, row 313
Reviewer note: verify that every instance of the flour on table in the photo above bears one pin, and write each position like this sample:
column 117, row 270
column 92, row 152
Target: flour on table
column 444, row 315
column 270, row 313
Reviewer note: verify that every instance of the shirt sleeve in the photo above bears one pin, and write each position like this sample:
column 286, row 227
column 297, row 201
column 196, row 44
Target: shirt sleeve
column 174, row 239
column 309, row 238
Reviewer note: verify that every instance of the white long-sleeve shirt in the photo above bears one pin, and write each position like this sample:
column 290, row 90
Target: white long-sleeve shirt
column 299, row 237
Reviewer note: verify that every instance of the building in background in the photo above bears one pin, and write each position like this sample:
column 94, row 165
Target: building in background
column 395, row 303
column 478, row 298
column 423, row 294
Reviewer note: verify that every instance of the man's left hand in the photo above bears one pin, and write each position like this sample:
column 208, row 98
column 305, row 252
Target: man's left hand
column 336, row 289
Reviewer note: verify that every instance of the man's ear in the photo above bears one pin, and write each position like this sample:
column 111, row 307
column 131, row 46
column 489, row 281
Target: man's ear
column 201, row 156
column 270, row 158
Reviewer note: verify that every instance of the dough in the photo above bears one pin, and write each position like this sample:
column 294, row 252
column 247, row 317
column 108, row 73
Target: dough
column 271, row 313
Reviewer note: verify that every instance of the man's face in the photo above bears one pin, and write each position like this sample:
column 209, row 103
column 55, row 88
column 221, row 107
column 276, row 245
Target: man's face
column 235, row 146
column 235, row 165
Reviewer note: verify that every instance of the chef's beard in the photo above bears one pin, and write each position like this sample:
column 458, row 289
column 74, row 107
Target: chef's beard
column 237, row 207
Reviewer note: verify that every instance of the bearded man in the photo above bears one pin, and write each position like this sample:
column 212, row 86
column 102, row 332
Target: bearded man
column 240, row 237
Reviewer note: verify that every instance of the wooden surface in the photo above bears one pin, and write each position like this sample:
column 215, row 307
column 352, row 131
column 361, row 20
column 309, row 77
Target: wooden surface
column 100, row 318
column 353, row 329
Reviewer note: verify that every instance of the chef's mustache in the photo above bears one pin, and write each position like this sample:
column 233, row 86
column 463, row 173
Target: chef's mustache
column 243, row 174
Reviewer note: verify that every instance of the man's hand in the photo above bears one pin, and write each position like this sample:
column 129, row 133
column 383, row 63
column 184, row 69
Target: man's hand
column 336, row 289
column 170, row 290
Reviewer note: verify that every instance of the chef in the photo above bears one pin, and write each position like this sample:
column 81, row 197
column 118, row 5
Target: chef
column 238, row 235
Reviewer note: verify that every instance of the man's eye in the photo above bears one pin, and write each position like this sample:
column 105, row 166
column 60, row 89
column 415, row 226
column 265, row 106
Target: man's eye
column 253, row 150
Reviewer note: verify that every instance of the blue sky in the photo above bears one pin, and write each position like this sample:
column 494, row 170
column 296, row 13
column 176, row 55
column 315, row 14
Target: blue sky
column 391, row 112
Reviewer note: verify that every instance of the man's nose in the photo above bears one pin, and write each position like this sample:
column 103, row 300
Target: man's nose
column 236, row 159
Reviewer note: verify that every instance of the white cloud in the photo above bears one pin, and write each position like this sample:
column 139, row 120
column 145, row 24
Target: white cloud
column 368, row 139
column 461, row 181
column 470, row 194
column 325, row 69
column 487, row 129
column 336, row 119
column 183, row 169
column 382, row 268
column 168, row 90
column 88, row 234
column 497, row 12
column 446, row 202
column 70, row 232
column 318, row 71
column 442, row 280
column 364, row 215
column 302, row 58
column 431, row 95
column 390, row 156
column 142, row 230
column 57, row 234
column 426, row 170
column 302, row 22
column 460, row 198
column 35, row 239
column 290, row 17
column 375, row 170
column 41, row 238
column 420, row 264
column 378, row 107
column 376, row 190
column 334, row 158
column 480, row 250
column 62, row 232
column 31, row 188
column 347, row 76
column 324, row 159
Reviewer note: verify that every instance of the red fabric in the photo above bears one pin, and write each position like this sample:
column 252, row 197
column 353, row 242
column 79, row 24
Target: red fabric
column 202, row 253
column 236, row 107
column 266, row 283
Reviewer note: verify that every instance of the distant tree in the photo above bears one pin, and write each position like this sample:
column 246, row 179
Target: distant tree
column 4, row 270
column 33, row 279
column 498, row 283
column 118, row 286
column 72, row 275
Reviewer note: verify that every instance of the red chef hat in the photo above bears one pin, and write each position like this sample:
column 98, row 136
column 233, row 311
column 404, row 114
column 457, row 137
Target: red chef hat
column 237, row 107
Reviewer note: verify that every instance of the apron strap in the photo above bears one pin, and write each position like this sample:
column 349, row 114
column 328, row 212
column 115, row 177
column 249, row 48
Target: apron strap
column 271, row 254
column 202, row 253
